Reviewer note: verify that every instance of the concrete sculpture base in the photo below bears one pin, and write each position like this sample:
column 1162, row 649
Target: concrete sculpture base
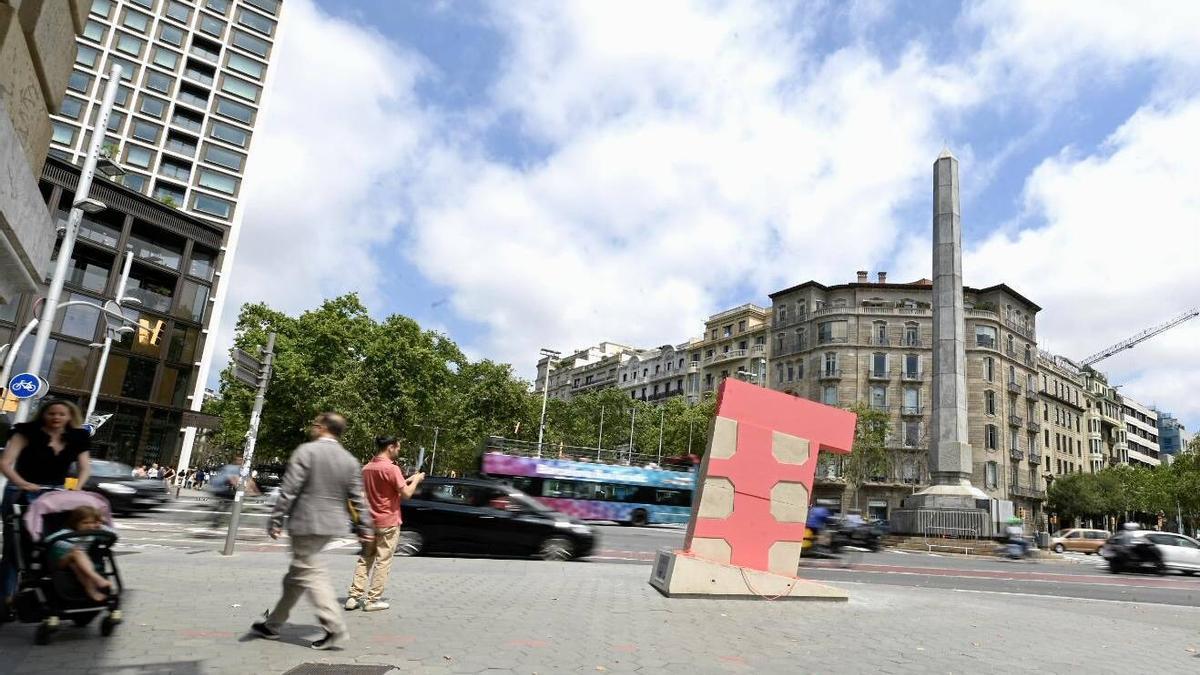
column 678, row 574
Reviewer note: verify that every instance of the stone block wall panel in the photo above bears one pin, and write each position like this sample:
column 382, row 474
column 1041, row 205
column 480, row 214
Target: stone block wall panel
column 49, row 29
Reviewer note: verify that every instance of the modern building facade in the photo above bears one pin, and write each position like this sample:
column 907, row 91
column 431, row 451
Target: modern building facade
column 1141, row 427
column 1105, row 420
column 194, row 77
column 150, row 372
column 37, row 48
column 1173, row 437
column 870, row 342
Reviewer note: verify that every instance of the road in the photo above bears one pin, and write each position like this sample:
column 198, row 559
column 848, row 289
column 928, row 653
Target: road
column 186, row 525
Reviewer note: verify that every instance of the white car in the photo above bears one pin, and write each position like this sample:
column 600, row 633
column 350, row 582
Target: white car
column 1160, row 551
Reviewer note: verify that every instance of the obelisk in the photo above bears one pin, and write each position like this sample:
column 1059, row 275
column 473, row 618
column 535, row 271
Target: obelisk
column 949, row 451
column 950, row 457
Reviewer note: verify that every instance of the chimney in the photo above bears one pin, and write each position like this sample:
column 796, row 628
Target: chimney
column 882, row 277
column 862, row 276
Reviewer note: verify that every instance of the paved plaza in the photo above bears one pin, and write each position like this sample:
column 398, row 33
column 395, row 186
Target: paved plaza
column 187, row 613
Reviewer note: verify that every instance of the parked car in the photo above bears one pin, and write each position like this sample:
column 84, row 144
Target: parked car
column 467, row 515
column 1078, row 539
column 1133, row 550
column 125, row 493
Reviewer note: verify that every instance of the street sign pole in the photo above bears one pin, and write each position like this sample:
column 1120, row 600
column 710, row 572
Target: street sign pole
column 251, row 438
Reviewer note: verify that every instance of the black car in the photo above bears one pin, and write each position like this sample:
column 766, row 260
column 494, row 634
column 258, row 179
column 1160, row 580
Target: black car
column 125, row 493
column 466, row 515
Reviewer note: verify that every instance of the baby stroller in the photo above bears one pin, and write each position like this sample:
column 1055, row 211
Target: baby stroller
column 48, row 595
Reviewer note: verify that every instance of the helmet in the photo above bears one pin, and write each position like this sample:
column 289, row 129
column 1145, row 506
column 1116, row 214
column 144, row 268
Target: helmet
column 1014, row 521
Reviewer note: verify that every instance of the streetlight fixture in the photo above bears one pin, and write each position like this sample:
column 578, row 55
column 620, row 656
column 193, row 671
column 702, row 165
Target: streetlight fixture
column 550, row 355
column 82, row 203
column 109, row 168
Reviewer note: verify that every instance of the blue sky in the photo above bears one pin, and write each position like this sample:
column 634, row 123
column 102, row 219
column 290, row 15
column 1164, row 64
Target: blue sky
column 555, row 174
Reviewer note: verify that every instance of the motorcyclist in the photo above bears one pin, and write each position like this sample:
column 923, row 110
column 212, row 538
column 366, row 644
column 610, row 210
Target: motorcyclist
column 1014, row 535
column 817, row 523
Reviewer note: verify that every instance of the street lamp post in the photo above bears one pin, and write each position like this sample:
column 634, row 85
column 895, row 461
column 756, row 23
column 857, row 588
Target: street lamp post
column 82, row 201
column 433, row 459
column 662, row 416
column 108, row 338
column 632, row 417
column 550, row 354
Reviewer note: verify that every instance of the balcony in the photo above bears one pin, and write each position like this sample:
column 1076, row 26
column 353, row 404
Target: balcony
column 1027, row 492
column 1015, row 455
column 731, row 354
column 985, row 342
column 878, row 375
column 757, row 350
column 664, row 394
column 879, row 407
column 1011, row 351
column 909, row 376
column 881, row 341
column 1014, row 387
column 831, row 340
column 912, row 343
column 1035, row 456
column 1026, row 331
column 830, row 374
column 1031, row 394
column 912, row 410
column 982, row 314
column 1015, row 420
column 693, row 367
column 1035, row 426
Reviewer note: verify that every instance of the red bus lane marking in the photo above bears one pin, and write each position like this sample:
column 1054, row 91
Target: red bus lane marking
column 1017, row 575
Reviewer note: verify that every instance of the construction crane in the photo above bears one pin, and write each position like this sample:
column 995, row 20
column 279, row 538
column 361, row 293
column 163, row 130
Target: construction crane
column 1140, row 337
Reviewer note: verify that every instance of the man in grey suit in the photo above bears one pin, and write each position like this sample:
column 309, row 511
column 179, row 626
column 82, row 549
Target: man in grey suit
column 321, row 479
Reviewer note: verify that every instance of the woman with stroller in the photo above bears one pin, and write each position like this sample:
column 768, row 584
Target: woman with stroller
column 39, row 455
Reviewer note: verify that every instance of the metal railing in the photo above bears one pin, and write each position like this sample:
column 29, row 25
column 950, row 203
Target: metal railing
column 1014, row 387
column 1034, row 426
column 1035, row 456
column 873, row 374
column 1015, row 420
column 831, row 340
column 830, row 374
column 1027, row 492
column 909, row 376
column 910, row 410
column 1015, row 455
column 942, row 537
column 1031, row 394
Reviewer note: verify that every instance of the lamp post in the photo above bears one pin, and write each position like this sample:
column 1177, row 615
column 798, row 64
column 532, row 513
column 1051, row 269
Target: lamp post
column 432, row 459
column 82, row 203
column 550, row 355
column 600, row 440
column 108, row 337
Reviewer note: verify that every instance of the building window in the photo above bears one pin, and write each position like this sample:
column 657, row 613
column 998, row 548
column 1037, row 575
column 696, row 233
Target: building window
column 136, row 155
column 1014, row 440
column 235, row 111
column 240, row 88
column 64, row 134
column 831, row 331
column 102, row 8
column 221, row 183
column 229, row 134
column 912, row 400
column 159, row 82
column 179, row 11
column 222, row 157
column 989, row 402
column 257, row 22
column 878, row 364
column 129, row 44
column 86, row 56
column 912, row 366
column 912, row 434
column 1016, row 475
column 211, row 25
column 213, row 206
column 94, row 31
column 990, row 441
column 269, row 6
column 989, row 475
column 879, row 397
column 245, row 65
column 71, row 107
column 801, row 339
column 166, row 59
column 912, row 335
column 218, row 6
column 170, row 35
column 829, row 395
column 136, row 21
column 254, row 45
column 879, row 331
column 831, row 364
column 782, row 313
column 985, row 336
column 151, row 106
column 145, row 131
column 79, row 82
column 989, row 369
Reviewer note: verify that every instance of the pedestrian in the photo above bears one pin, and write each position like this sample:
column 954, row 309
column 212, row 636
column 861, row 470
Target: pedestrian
column 38, row 456
column 200, row 478
column 385, row 486
column 167, row 474
column 153, row 472
column 322, row 479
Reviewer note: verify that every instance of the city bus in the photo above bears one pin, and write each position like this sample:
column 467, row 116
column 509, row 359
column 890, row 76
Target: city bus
column 595, row 485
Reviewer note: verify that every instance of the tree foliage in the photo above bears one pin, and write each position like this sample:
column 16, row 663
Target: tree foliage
column 1127, row 492
column 393, row 377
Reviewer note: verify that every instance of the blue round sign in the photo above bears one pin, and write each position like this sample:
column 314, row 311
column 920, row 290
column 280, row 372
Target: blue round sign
column 24, row 385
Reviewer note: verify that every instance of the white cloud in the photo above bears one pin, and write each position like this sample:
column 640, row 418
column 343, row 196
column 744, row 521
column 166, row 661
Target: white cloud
column 1111, row 247
column 334, row 146
column 692, row 150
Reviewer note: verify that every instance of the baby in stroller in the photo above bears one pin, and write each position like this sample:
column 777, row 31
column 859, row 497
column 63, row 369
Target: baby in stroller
column 70, row 573
column 63, row 552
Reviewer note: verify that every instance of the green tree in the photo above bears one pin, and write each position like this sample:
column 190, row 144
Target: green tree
column 869, row 456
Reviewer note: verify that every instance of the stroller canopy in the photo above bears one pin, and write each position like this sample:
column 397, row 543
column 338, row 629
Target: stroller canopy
column 62, row 501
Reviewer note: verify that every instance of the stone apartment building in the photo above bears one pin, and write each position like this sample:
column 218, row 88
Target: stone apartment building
column 1067, row 436
column 734, row 345
column 870, row 342
column 656, row 374
column 1107, row 443
column 584, row 370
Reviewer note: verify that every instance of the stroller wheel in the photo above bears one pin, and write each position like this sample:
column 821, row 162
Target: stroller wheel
column 107, row 625
column 42, row 635
column 83, row 619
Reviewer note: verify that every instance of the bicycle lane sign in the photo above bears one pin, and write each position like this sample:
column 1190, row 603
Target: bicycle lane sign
column 27, row 386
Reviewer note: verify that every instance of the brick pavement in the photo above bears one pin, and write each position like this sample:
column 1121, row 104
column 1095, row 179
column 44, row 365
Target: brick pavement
column 187, row 613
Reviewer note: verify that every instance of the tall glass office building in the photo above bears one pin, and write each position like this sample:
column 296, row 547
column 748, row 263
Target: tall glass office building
column 194, row 76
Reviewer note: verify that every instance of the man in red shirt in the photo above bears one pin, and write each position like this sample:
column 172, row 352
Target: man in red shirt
column 384, row 485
